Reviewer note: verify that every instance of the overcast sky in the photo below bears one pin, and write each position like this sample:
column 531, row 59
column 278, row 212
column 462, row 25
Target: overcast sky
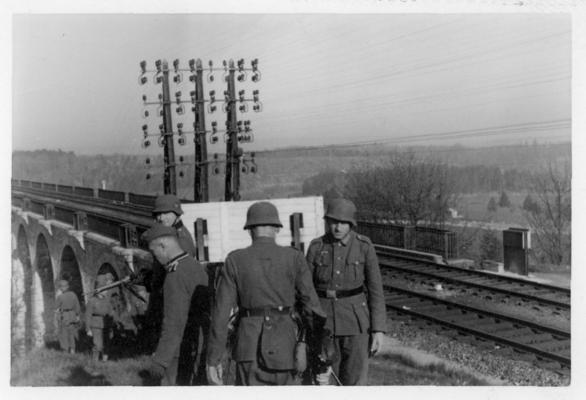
column 326, row 78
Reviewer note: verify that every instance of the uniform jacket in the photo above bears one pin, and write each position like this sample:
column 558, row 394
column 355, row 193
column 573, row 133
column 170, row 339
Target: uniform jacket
column 185, row 287
column 188, row 246
column 346, row 265
column 185, row 239
column 67, row 305
column 99, row 312
column 263, row 275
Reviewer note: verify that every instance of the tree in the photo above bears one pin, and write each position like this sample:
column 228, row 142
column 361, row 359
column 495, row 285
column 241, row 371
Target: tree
column 551, row 220
column 491, row 206
column 504, row 200
column 490, row 246
column 530, row 205
column 404, row 189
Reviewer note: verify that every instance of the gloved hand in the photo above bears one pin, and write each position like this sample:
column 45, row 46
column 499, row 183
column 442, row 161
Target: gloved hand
column 324, row 378
column 215, row 374
column 376, row 339
column 157, row 371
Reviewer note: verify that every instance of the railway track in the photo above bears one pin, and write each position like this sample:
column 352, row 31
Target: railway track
column 544, row 346
column 520, row 291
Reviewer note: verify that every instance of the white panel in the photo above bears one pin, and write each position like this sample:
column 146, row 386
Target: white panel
column 226, row 220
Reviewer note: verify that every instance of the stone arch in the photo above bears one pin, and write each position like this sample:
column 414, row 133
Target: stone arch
column 71, row 272
column 45, row 290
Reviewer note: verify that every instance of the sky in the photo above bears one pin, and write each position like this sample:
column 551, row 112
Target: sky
column 475, row 79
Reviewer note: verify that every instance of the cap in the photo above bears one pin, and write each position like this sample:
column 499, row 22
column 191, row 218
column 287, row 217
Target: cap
column 156, row 231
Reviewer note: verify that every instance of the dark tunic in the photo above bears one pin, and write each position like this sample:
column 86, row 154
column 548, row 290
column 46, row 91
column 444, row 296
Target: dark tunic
column 264, row 275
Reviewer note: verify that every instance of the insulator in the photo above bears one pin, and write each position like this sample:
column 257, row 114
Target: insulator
column 192, row 65
column 213, row 139
column 254, row 64
column 145, row 113
column 181, row 140
column 159, row 79
column 192, row 78
column 176, row 65
column 178, row 78
column 181, row 158
column 192, row 95
column 210, row 78
column 216, row 169
column 241, row 65
column 212, row 109
column 241, row 96
column 142, row 80
column 180, row 128
column 146, row 143
column 181, row 174
column 143, row 67
column 194, row 109
column 215, row 156
column 158, row 65
column 211, row 64
column 161, row 112
column 180, row 110
column 148, row 176
column 257, row 107
column 162, row 140
column 243, row 108
column 162, row 128
column 178, row 96
column 256, row 77
column 252, row 155
column 241, row 77
column 145, row 128
column 253, row 169
column 148, row 161
column 244, row 169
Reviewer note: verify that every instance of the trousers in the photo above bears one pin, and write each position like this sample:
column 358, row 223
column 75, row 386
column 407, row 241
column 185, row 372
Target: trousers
column 67, row 336
column 249, row 373
column 98, row 339
column 351, row 359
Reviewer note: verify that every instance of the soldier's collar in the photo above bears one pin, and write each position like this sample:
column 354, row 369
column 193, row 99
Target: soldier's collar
column 263, row 239
column 172, row 264
column 178, row 224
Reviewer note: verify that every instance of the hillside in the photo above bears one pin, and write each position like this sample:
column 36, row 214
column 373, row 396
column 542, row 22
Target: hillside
column 281, row 173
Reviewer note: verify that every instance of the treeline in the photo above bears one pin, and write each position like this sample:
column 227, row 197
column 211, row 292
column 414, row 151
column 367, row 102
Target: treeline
column 471, row 179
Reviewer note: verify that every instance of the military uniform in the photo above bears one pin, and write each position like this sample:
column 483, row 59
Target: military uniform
column 100, row 319
column 263, row 281
column 347, row 279
column 184, row 289
column 67, row 309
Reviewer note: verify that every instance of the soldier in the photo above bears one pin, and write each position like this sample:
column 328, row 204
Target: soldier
column 263, row 281
column 348, row 282
column 100, row 319
column 184, row 293
column 168, row 212
column 67, row 315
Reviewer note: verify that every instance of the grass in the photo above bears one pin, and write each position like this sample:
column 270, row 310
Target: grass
column 394, row 366
column 45, row 367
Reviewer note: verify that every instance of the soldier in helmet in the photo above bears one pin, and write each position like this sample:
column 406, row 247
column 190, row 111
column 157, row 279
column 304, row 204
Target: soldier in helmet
column 100, row 319
column 264, row 281
column 348, row 282
column 168, row 212
column 184, row 293
column 67, row 314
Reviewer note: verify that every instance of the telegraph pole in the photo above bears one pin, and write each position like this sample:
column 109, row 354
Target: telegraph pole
column 170, row 178
column 233, row 153
column 200, row 184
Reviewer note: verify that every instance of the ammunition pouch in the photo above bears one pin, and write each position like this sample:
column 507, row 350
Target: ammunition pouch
column 277, row 343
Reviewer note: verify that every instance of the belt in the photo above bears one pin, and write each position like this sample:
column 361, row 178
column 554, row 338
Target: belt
column 339, row 294
column 98, row 315
column 263, row 311
column 68, row 309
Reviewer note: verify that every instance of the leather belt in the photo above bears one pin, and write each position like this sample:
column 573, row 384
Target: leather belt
column 264, row 311
column 339, row 294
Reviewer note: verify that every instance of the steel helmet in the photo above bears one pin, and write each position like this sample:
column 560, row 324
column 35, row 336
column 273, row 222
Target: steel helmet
column 341, row 210
column 167, row 203
column 262, row 213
